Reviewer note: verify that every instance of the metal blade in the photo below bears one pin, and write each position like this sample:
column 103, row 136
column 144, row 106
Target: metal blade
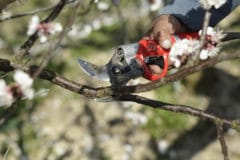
column 98, row 72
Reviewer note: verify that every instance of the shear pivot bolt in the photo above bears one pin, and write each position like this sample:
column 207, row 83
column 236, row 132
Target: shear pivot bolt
column 116, row 70
column 120, row 52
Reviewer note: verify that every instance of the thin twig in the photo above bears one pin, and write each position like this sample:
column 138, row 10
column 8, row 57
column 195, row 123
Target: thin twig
column 50, row 53
column 30, row 13
column 222, row 140
column 26, row 14
column 174, row 108
column 204, row 31
column 24, row 49
column 6, row 154
column 84, row 12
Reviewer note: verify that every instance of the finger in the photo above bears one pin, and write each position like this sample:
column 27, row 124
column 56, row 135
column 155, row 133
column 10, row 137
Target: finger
column 164, row 40
column 155, row 69
column 166, row 44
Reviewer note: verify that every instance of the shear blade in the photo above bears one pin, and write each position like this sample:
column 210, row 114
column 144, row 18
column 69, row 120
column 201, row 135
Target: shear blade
column 98, row 72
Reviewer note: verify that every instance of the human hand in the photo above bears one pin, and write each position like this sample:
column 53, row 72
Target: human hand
column 161, row 30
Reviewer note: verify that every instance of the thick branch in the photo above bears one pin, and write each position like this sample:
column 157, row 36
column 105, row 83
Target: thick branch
column 7, row 66
column 124, row 93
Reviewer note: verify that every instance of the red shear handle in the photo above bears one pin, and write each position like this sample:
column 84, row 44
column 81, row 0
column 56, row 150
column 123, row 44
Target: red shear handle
column 148, row 48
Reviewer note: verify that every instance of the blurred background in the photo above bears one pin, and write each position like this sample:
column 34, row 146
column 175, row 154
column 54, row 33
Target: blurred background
column 58, row 124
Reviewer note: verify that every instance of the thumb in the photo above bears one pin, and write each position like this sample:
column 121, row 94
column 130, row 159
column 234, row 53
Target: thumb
column 164, row 41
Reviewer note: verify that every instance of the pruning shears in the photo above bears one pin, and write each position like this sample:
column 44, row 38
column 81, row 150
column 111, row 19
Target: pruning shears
column 131, row 61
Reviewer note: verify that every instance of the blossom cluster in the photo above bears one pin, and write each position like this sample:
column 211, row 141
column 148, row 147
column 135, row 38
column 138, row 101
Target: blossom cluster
column 21, row 88
column 213, row 39
column 184, row 47
column 43, row 29
column 188, row 47
column 207, row 4
column 155, row 5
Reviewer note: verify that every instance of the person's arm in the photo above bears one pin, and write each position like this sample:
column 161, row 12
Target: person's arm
column 191, row 14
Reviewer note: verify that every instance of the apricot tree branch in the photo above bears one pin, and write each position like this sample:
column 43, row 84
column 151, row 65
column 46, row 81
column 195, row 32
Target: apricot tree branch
column 25, row 14
column 177, row 108
column 125, row 93
column 24, row 50
column 7, row 66
column 204, row 31
column 51, row 52
column 222, row 140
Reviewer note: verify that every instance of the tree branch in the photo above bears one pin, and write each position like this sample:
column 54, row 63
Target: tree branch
column 175, row 108
column 7, row 66
column 51, row 52
column 25, row 14
column 124, row 93
column 222, row 140
column 24, row 50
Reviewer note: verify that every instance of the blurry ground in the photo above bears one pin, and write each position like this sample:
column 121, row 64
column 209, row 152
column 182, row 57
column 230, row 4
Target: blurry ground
column 64, row 125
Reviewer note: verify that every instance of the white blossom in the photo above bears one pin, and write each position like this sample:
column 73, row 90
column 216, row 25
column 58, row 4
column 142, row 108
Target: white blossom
column 6, row 98
column 211, row 48
column 42, row 37
column 188, row 47
column 209, row 52
column 43, row 29
column 96, row 24
column 181, row 48
column 155, row 5
column 102, row 6
column 60, row 148
column 214, row 35
column 86, row 31
column 207, row 4
column 162, row 146
column 210, row 31
column 25, row 83
column 55, row 28
column 23, row 79
column 203, row 54
column 21, row 88
column 33, row 25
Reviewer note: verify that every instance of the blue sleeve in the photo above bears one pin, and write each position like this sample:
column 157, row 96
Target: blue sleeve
column 190, row 12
